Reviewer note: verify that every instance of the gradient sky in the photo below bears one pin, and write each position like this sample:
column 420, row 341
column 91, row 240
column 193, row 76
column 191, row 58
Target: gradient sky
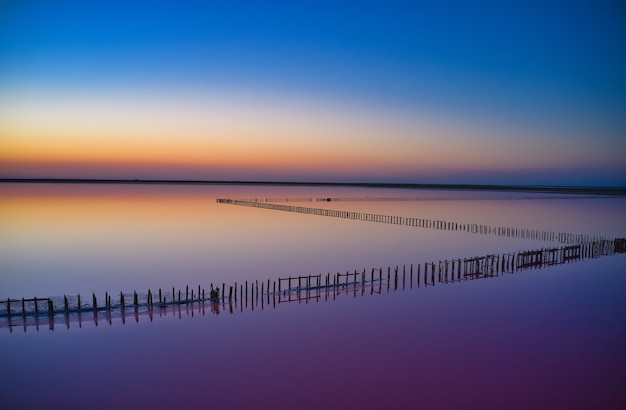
column 471, row 92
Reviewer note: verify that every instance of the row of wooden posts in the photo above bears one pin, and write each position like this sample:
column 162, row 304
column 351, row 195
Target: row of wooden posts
column 311, row 287
column 444, row 271
column 278, row 199
column 531, row 234
column 413, row 198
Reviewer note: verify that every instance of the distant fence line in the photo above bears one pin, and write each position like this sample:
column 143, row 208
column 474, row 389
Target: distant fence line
column 45, row 312
column 423, row 198
column 501, row 231
column 278, row 199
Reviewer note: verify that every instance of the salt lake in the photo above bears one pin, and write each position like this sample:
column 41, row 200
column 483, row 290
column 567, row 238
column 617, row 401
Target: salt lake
column 543, row 336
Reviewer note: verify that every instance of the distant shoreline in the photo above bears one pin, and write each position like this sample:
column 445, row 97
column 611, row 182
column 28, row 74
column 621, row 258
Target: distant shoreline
column 613, row 191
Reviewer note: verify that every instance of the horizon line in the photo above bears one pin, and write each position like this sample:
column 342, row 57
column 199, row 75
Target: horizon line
column 474, row 187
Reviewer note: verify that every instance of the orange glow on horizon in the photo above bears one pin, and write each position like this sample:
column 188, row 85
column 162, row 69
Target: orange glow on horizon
column 252, row 137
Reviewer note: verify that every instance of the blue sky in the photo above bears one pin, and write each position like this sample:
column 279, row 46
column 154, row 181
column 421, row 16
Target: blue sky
column 545, row 72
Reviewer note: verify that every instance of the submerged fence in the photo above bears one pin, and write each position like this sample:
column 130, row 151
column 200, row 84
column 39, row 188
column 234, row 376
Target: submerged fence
column 251, row 295
column 501, row 231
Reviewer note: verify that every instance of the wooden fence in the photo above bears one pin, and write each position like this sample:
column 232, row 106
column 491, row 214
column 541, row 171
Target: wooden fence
column 254, row 294
column 481, row 229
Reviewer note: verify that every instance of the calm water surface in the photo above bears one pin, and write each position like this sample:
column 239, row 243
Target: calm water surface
column 543, row 338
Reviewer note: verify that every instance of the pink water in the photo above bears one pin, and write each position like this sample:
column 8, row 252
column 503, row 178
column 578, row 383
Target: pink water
column 544, row 338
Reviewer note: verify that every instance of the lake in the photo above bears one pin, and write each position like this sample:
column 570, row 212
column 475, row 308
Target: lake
column 534, row 335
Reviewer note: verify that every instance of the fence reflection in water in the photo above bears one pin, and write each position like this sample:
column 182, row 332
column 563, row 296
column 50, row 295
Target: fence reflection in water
column 41, row 312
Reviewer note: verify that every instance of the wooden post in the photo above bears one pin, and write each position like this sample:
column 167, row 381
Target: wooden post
column 160, row 298
column 66, row 303
column 230, row 293
column 187, row 293
column 403, row 275
column 223, row 290
column 418, row 274
column 50, row 307
column 95, row 302
column 79, row 303
column 179, row 296
column 122, row 300
column 433, row 274
column 9, row 307
column 36, row 307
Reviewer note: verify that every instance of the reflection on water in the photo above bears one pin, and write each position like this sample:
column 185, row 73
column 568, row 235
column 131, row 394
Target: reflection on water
column 297, row 289
column 508, row 232
column 410, row 333
column 84, row 239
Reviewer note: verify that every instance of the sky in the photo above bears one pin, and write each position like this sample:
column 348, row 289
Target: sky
column 419, row 92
